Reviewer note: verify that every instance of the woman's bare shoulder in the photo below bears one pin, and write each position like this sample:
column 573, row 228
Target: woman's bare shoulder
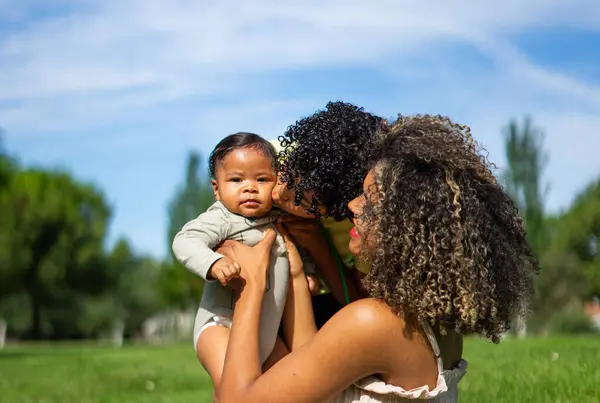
column 393, row 342
column 370, row 308
column 369, row 317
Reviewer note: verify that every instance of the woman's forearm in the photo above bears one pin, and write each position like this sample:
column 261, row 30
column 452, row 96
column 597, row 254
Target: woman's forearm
column 298, row 317
column 328, row 269
column 242, row 362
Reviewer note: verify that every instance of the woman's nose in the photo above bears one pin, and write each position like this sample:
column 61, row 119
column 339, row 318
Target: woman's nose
column 356, row 207
column 352, row 205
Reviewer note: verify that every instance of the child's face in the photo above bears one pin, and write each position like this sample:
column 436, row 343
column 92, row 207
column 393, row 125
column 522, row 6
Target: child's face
column 243, row 182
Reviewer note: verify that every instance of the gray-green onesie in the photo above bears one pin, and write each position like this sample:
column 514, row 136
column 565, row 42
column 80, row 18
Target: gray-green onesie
column 193, row 247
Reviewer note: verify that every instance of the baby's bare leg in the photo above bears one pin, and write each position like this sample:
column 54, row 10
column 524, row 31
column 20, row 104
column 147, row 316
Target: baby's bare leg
column 211, row 348
column 279, row 351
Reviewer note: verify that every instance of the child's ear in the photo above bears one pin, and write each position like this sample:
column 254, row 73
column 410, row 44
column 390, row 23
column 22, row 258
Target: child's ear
column 215, row 188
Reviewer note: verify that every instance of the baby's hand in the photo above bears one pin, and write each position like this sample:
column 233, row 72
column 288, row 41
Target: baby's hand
column 313, row 283
column 224, row 270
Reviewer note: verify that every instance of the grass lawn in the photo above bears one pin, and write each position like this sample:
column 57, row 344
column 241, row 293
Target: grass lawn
column 534, row 370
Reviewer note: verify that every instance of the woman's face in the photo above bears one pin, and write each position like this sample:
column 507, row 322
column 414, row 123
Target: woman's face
column 357, row 206
column 284, row 199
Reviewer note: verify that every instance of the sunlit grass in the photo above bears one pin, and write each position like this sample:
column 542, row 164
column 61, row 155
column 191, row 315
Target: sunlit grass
column 532, row 370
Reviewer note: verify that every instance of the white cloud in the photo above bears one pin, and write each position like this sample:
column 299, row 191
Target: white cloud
column 117, row 63
column 190, row 45
column 106, row 59
column 541, row 79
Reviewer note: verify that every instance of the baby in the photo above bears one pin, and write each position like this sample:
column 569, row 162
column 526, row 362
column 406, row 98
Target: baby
column 242, row 166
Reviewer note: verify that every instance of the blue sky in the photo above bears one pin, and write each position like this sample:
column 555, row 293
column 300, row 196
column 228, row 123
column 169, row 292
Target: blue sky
column 118, row 91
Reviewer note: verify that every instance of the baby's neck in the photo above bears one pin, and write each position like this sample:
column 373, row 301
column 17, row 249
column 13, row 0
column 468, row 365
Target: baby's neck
column 257, row 217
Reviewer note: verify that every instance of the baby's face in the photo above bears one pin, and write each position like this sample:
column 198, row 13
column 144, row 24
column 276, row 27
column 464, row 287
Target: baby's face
column 244, row 180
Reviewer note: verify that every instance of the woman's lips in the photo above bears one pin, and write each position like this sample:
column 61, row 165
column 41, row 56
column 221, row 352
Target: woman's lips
column 353, row 233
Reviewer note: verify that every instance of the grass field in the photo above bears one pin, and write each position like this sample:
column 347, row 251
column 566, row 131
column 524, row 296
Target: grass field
column 532, row 370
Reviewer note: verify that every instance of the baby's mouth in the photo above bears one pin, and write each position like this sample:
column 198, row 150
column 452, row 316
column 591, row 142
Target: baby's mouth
column 250, row 202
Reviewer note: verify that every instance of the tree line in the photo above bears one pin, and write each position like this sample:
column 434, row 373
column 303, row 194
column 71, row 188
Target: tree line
column 58, row 280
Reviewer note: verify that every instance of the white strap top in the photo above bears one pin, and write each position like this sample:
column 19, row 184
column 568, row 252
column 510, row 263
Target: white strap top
column 373, row 390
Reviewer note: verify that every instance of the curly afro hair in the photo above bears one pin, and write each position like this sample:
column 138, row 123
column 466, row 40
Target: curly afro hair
column 449, row 246
column 327, row 153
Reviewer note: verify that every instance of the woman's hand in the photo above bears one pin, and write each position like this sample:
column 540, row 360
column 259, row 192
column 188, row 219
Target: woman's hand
column 253, row 259
column 284, row 198
column 304, row 231
column 296, row 265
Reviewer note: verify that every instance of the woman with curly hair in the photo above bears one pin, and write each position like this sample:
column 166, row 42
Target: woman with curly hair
column 448, row 258
column 322, row 165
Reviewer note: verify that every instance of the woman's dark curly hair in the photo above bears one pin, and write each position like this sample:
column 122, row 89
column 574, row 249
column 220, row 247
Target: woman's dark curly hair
column 449, row 244
column 327, row 153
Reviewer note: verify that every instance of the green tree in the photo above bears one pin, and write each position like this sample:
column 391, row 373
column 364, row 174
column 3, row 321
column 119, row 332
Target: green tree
column 7, row 165
column 130, row 297
column 135, row 294
column 180, row 287
column 8, row 168
column 527, row 160
column 560, row 282
column 51, row 242
column 5, row 174
column 579, row 234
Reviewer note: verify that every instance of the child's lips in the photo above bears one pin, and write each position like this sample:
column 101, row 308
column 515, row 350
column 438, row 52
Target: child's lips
column 250, row 202
column 354, row 233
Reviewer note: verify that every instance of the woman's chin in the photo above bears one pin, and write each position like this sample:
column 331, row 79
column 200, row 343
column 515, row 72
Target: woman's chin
column 354, row 246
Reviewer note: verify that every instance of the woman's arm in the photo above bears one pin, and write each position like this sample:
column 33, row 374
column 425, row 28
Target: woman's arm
column 307, row 233
column 298, row 316
column 350, row 346
column 328, row 268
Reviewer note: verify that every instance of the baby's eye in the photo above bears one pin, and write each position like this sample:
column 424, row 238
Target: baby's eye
column 235, row 180
column 263, row 179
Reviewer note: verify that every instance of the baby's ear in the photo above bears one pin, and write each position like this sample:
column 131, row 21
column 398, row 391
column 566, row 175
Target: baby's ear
column 215, row 188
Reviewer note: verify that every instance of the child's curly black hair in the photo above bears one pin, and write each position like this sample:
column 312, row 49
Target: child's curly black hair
column 449, row 244
column 327, row 153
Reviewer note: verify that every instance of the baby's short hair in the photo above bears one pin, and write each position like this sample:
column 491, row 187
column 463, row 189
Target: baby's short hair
column 237, row 141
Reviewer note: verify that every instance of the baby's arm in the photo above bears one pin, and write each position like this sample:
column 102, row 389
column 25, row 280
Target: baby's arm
column 193, row 247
